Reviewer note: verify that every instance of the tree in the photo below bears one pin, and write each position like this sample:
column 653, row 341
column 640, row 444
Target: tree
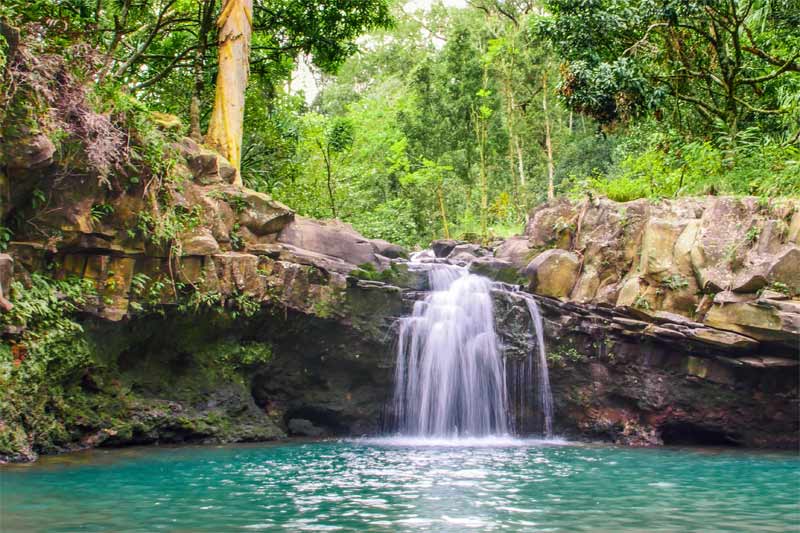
column 717, row 63
column 432, row 176
column 324, row 30
column 333, row 144
column 225, row 129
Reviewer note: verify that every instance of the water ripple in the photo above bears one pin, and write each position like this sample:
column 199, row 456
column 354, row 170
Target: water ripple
column 391, row 485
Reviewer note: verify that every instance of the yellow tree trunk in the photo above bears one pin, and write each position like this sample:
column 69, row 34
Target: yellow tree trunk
column 225, row 129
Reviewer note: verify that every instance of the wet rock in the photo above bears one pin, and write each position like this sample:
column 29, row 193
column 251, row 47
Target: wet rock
column 443, row 247
column 466, row 253
column 388, row 249
column 553, row 273
column 496, row 269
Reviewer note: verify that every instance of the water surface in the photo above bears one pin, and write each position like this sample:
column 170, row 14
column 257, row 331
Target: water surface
column 405, row 485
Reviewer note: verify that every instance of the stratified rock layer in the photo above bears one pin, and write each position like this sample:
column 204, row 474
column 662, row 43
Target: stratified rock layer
column 678, row 320
column 666, row 323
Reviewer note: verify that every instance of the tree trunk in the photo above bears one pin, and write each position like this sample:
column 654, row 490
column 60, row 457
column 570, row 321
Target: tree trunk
column 523, row 193
column 326, row 155
column 481, row 134
column 508, row 91
column 206, row 15
column 548, row 142
column 225, row 129
column 440, row 196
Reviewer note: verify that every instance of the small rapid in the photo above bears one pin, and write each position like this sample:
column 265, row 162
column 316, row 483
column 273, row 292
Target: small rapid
column 451, row 376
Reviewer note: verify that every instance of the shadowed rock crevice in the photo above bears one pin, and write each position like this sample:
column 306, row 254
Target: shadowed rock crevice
column 681, row 433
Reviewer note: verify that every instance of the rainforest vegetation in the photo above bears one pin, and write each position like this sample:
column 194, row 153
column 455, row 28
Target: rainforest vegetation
column 430, row 120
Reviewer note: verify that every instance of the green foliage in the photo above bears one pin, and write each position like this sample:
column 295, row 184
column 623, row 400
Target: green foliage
column 51, row 349
column 166, row 228
column 779, row 287
column 242, row 304
column 675, row 282
column 244, row 355
column 101, row 211
column 367, row 271
column 652, row 162
column 393, row 221
column 5, row 237
column 201, row 301
column 630, row 57
column 410, row 170
column 237, row 241
column 561, row 355
column 640, row 302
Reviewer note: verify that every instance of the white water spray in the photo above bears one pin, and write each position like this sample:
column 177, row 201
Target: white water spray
column 450, row 376
column 533, row 378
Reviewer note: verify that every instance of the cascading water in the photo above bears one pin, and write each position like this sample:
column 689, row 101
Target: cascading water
column 451, row 376
column 531, row 378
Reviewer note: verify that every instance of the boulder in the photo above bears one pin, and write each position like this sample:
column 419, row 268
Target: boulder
column 514, row 250
column 553, row 225
column 238, row 272
column 496, row 269
column 466, row 253
column 720, row 247
column 553, row 273
column 760, row 320
column 330, row 238
column 202, row 243
column 263, row 215
column 388, row 249
column 33, row 152
column 658, row 245
column 207, row 166
column 785, row 269
column 794, row 228
column 443, row 247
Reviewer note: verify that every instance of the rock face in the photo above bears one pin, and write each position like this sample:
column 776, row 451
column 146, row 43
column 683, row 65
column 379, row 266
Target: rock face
column 243, row 320
column 219, row 315
column 677, row 321
column 640, row 383
column 730, row 264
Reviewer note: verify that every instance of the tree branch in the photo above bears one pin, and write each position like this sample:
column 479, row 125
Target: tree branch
column 143, row 48
column 778, row 62
column 161, row 75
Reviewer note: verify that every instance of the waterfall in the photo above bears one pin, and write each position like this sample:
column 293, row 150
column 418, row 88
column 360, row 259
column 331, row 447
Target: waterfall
column 531, row 380
column 450, row 375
